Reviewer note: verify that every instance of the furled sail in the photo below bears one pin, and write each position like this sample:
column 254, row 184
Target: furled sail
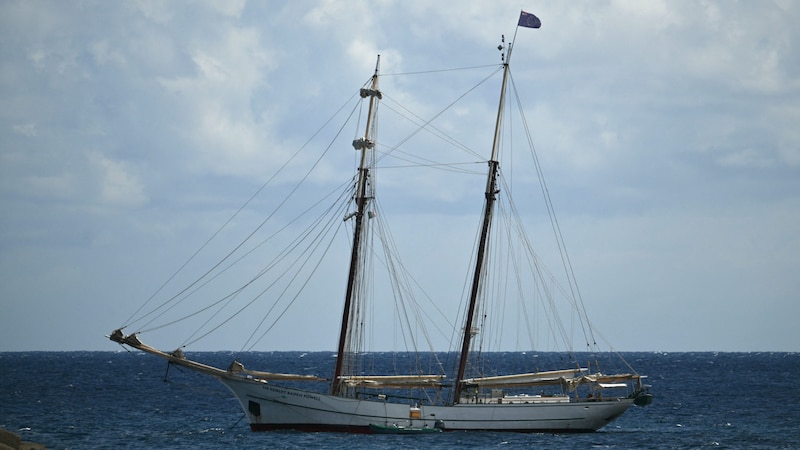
column 394, row 381
column 525, row 379
column 237, row 367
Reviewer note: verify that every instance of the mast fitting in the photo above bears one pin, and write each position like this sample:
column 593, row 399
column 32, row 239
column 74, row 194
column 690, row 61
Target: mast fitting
column 361, row 144
column 371, row 93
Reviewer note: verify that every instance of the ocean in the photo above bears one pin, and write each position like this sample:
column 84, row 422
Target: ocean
column 78, row 400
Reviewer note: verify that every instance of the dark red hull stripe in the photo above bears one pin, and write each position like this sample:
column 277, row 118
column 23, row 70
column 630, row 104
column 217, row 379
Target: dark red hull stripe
column 316, row 428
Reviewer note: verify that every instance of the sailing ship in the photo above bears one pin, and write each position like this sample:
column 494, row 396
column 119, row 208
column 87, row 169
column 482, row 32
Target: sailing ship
column 351, row 399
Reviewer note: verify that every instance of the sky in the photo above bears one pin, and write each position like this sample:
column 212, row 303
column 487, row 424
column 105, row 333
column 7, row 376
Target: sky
column 668, row 132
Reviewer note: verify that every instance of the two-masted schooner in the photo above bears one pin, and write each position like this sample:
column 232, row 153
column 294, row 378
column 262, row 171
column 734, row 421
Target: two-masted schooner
column 575, row 398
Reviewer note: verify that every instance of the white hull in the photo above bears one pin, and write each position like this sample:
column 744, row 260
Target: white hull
column 271, row 407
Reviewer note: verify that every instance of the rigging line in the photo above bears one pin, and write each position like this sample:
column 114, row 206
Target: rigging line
column 574, row 287
column 260, row 294
column 296, row 296
column 231, row 265
column 434, row 165
column 399, row 303
column 430, row 128
column 232, row 294
column 543, row 272
column 240, row 289
column 399, row 286
column 399, row 270
column 619, row 355
column 358, row 118
column 275, row 260
column 227, row 222
column 425, row 125
column 436, row 71
column 275, row 211
column 518, row 262
column 524, row 306
column 509, row 261
column 455, row 335
column 343, row 202
column 554, row 219
column 449, row 167
column 200, row 311
column 366, row 287
column 446, row 167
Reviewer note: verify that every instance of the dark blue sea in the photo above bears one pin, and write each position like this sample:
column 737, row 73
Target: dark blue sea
column 120, row 400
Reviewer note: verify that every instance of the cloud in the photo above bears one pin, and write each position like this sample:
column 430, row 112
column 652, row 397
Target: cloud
column 28, row 129
column 666, row 130
column 118, row 185
column 158, row 11
column 227, row 135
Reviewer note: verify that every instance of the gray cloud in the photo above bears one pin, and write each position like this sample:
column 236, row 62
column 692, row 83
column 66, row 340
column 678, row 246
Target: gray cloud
column 667, row 131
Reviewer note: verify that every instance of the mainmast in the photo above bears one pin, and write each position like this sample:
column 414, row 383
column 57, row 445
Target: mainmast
column 490, row 194
column 364, row 145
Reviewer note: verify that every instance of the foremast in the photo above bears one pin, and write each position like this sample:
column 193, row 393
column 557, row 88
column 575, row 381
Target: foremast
column 488, row 209
column 364, row 145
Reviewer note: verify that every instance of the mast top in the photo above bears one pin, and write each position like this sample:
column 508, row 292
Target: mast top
column 505, row 50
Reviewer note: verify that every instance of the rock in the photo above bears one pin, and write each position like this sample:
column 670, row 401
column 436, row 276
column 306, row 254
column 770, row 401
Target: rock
column 12, row 441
